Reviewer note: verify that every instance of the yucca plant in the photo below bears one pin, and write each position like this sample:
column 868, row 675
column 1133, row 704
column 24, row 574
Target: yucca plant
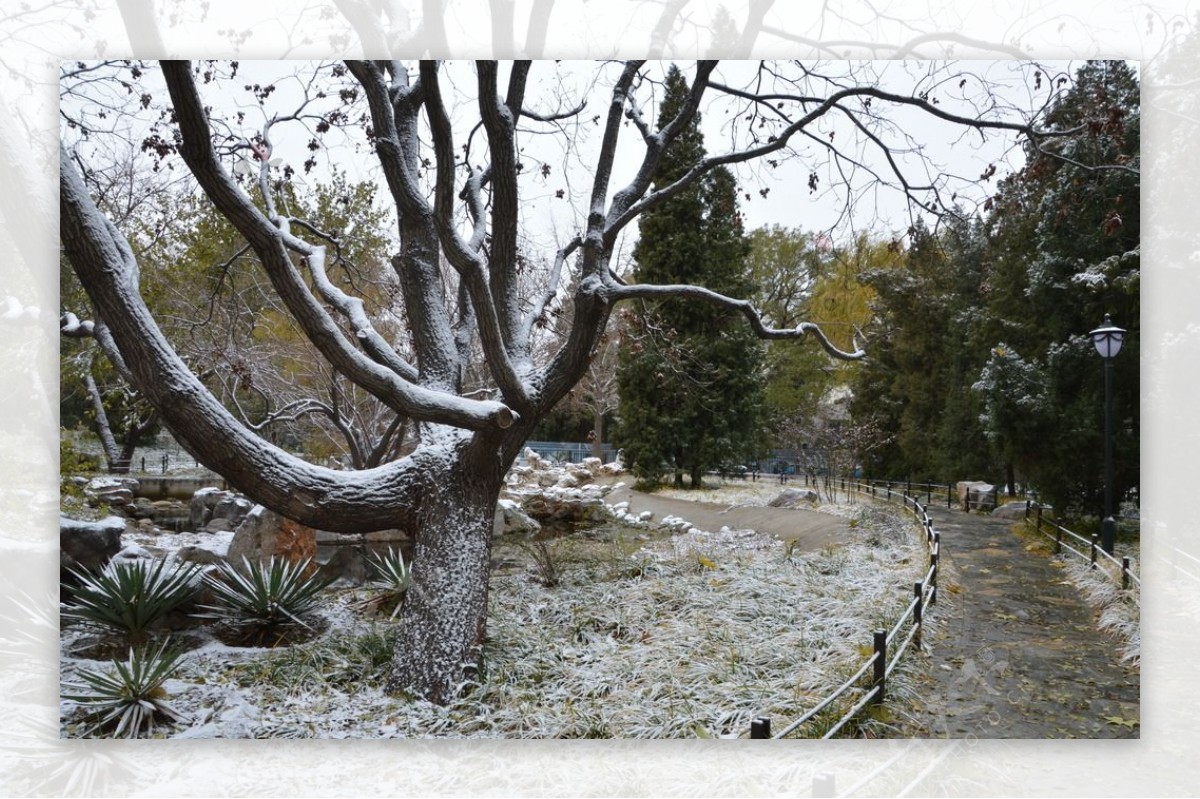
column 129, row 698
column 265, row 594
column 129, row 598
column 393, row 575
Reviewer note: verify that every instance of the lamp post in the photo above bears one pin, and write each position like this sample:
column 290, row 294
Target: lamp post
column 1108, row 340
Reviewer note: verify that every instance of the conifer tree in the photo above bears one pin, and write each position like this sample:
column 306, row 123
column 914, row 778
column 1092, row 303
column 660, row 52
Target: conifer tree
column 688, row 374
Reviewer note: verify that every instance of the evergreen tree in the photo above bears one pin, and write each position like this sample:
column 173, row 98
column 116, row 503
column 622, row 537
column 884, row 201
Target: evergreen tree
column 925, row 355
column 689, row 374
column 1065, row 243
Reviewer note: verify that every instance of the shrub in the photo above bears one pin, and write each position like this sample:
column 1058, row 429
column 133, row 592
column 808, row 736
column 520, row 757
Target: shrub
column 129, row 598
column 393, row 575
column 268, row 595
column 129, row 697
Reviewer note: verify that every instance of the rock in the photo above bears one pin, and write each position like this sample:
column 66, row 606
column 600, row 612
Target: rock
column 348, row 567
column 199, row 556
column 140, row 508
column 213, row 510
column 88, row 545
column 511, row 519
column 99, row 485
column 133, row 553
column 561, row 507
column 200, row 509
column 263, row 534
column 116, row 492
column 976, row 495
column 232, row 507
column 534, row 460
column 794, row 498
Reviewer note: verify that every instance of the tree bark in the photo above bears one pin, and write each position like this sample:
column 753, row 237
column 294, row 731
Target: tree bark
column 598, row 431
column 445, row 610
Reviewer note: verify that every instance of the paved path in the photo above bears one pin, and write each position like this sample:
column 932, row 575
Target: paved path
column 1016, row 653
column 810, row 529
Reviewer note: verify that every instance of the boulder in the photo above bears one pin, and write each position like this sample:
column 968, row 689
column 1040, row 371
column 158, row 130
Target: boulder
column 200, row 509
column 232, row 507
column 348, row 567
column 264, row 534
column 198, row 555
column 511, row 519
column 140, row 508
column 565, row 507
column 88, row 545
column 976, row 495
column 794, row 498
column 115, row 492
column 133, row 553
column 98, row 486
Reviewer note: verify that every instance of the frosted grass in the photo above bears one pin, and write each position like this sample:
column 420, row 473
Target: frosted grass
column 648, row 635
column 1118, row 610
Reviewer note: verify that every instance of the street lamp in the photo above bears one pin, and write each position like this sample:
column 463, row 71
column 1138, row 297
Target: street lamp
column 1108, row 340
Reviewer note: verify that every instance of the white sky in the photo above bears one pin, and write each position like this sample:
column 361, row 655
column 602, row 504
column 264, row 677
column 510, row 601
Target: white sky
column 549, row 220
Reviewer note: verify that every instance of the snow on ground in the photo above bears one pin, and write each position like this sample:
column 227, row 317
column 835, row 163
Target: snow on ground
column 647, row 634
column 1119, row 611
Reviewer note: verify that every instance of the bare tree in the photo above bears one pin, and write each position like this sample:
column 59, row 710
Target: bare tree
column 459, row 189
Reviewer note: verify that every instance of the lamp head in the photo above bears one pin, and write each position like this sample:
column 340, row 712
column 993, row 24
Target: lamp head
column 1108, row 339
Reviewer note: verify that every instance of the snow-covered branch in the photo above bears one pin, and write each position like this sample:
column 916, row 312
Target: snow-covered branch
column 744, row 307
column 271, row 241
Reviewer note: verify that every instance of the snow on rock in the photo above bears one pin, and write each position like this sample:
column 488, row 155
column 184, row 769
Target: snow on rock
column 264, row 534
column 88, row 545
column 115, row 492
column 511, row 519
column 794, row 497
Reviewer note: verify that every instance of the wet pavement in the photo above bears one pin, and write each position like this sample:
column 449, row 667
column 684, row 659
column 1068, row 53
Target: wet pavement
column 1015, row 652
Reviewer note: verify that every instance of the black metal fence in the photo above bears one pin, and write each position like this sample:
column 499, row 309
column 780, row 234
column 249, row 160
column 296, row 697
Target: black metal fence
column 888, row 647
column 1095, row 553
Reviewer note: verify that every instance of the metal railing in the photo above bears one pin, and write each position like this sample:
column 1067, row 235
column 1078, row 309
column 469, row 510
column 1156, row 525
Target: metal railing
column 883, row 642
column 1095, row 551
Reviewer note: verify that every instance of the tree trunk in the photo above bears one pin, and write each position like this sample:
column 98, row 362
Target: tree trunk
column 112, row 455
column 598, row 431
column 445, row 609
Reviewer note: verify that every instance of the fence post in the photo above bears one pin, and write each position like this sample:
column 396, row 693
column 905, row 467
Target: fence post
column 880, row 681
column 1027, row 510
column 1124, row 573
column 949, row 497
column 1039, row 518
column 1057, row 540
column 917, row 591
column 760, row 727
column 1095, row 541
column 928, row 493
column 934, row 557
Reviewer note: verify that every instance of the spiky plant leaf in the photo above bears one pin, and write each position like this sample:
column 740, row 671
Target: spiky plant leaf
column 269, row 594
column 391, row 570
column 393, row 575
column 128, row 598
column 129, row 698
